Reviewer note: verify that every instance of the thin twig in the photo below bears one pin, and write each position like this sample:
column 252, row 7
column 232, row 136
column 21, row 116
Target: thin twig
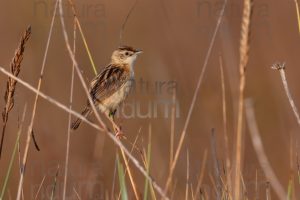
column 76, row 193
column 50, row 99
column 281, row 69
column 125, row 21
column 82, row 36
column 29, row 133
column 200, row 179
column 15, row 67
column 70, row 117
column 40, row 187
column 183, row 134
column 260, row 152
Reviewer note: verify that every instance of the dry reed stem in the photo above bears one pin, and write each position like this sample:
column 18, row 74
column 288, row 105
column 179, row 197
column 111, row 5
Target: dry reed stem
column 201, row 176
column 217, row 174
column 115, row 168
column 212, row 180
column 192, row 192
column 15, row 67
column 115, row 140
column 172, row 129
column 260, row 152
column 29, row 133
column 224, row 112
column 244, row 55
column 133, row 184
column 76, row 193
column 187, row 175
column 50, row 99
column 183, row 134
column 40, row 187
column 281, row 69
column 70, row 116
column 82, row 36
column 244, row 188
column 298, row 14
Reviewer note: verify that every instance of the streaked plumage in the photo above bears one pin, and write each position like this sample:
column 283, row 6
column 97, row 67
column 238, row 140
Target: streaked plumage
column 112, row 85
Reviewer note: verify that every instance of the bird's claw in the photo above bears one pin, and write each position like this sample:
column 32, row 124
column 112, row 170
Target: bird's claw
column 119, row 133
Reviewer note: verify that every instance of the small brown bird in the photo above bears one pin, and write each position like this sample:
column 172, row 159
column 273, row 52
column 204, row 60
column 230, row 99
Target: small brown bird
column 112, row 85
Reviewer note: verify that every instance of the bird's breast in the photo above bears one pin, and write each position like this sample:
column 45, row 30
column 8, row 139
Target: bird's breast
column 119, row 96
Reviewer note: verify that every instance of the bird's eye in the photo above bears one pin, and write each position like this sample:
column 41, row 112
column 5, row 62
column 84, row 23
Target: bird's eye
column 126, row 53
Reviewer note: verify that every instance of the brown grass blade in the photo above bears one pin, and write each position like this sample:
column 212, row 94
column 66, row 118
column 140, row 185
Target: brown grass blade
column 15, row 68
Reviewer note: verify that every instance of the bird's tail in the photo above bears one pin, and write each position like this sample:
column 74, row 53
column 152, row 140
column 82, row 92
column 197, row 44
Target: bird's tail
column 75, row 124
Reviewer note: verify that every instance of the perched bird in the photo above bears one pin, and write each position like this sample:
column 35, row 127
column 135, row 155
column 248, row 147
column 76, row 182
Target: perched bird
column 112, row 85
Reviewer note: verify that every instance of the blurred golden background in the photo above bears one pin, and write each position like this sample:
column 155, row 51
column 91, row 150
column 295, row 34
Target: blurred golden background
column 175, row 37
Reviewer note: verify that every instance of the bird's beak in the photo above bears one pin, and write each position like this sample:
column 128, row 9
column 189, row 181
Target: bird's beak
column 138, row 51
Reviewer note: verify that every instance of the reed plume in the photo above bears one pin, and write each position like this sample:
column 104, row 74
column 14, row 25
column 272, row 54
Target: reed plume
column 15, row 68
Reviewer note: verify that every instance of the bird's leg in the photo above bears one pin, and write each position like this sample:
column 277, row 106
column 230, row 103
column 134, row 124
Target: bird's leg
column 117, row 129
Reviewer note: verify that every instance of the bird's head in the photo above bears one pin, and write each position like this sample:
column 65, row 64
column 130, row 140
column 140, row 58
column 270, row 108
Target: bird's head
column 125, row 55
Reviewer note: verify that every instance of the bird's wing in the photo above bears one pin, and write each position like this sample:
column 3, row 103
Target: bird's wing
column 110, row 80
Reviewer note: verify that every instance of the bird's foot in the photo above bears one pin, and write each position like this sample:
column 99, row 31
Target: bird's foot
column 119, row 133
